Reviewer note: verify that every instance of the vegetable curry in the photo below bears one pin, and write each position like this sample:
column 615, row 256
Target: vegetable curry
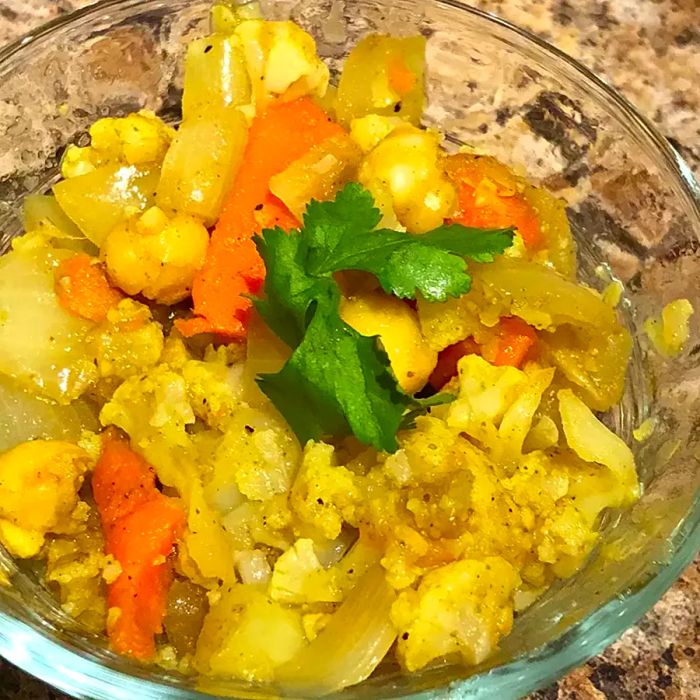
column 296, row 389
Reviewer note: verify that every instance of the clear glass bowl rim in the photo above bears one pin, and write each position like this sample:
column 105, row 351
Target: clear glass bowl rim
column 55, row 663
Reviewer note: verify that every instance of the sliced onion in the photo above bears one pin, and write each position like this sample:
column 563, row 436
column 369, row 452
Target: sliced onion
column 350, row 646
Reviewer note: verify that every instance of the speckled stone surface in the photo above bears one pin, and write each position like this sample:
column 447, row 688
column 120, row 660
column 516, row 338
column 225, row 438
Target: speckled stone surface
column 650, row 51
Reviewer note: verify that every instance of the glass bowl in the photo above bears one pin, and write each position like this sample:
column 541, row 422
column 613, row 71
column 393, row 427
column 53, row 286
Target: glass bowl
column 633, row 204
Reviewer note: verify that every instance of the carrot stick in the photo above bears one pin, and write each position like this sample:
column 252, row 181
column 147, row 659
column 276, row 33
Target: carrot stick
column 141, row 526
column 233, row 268
column 83, row 289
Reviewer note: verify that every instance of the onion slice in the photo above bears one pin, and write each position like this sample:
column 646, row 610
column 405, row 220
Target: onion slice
column 350, row 647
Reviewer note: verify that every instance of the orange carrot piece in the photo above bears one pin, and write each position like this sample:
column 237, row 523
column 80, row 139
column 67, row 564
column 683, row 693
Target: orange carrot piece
column 482, row 203
column 446, row 366
column 83, row 289
column 516, row 340
column 233, row 268
column 141, row 526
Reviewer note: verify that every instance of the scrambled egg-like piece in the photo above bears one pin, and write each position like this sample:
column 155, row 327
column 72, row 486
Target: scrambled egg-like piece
column 155, row 255
column 136, row 139
column 39, row 484
column 281, row 61
column 462, row 608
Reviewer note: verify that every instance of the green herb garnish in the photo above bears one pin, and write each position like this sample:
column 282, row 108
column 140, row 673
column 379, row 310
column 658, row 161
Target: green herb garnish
column 338, row 382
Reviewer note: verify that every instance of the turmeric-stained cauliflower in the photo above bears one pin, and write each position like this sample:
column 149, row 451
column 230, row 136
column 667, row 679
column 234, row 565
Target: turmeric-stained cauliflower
column 39, row 484
column 136, row 139
column 128, row 341
column 462, row 608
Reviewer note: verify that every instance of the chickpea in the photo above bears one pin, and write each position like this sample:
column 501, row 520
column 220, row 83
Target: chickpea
column 155, row 255
column 406, row 162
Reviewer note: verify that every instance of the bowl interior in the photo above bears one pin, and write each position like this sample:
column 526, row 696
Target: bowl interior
column 635, row 212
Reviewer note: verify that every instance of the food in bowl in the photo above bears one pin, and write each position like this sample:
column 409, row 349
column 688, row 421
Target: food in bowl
column 297, row 389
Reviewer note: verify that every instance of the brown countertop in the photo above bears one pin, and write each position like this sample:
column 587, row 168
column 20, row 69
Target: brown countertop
column 650, row 51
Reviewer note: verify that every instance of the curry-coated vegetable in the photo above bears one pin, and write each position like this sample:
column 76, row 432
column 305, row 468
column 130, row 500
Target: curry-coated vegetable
column 83, row 289
column 104, row 197
column 52, row 471
column 43, row 351
column 141, row 526
column 215, row 76
column 383, row 75
column 233, row 269
column 318, row 174
column 155, row 255
column 406, row 164
column 396, row 324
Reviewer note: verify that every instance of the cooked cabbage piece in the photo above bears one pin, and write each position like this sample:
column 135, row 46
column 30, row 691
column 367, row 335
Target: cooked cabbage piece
column 41, row 345
column 42, row 214
column 383, row 75
column 195, row 179
column 102, row 198
column 215, row 76
column 583, row 337
column 26, row 416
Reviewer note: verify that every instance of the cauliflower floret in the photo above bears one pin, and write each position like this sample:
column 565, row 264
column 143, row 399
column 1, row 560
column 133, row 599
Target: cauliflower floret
column 259, row 453
column 323, row 495
column 464, row 608
column 407, row 161
column 156, row 256
column 485, row 394
column 136, row 139
column 281, row 60
column 128, row 342
column 298, row 577
column 39, row 484
column 212, row 395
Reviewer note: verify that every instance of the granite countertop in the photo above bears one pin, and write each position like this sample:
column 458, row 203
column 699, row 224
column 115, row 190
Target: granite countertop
column 650, row 51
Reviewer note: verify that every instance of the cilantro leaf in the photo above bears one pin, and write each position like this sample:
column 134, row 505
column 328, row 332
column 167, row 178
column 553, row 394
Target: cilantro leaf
column 422, row 406
column 337, row 381
column 341, row 236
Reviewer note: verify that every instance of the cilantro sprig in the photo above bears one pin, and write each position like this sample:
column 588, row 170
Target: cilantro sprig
column 338, row 382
